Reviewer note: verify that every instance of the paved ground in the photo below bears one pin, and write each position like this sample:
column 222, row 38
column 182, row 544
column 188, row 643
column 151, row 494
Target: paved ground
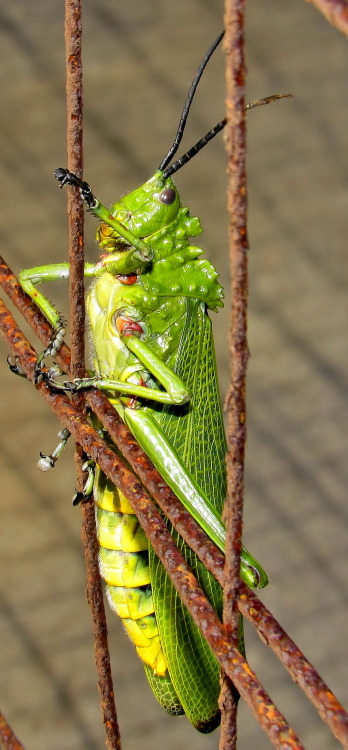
column 139, row 58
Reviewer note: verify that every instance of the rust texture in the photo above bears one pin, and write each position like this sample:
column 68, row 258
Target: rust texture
column 8, row 740
column 235, row 140
column 335, row 11
column 101, row 652
column 237, row 207
column 329, row 708
column 302, row 672
column 233, row 664
column 74, row 93
column 228, row 703
column 73, row 31
column 74, row 111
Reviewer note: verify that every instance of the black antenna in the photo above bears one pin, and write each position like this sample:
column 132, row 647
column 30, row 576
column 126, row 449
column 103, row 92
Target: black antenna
column 215, row 130
column 194, row 149
column 183, row 119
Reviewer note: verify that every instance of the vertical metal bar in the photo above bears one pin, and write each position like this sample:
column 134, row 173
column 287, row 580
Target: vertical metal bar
column 73, row 33
column 237, row 207
column 235, row 138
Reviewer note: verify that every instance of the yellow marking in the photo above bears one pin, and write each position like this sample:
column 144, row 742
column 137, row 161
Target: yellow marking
column 120, row 531
column 108, row 497
column 124, row 568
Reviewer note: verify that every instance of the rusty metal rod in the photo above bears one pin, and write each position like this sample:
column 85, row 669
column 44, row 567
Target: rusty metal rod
column 74, row 105
column 301, row 670
column 8, row 739
column 73, row 60
column 269, row 717
column 335, row 11
column 235, row 142
column 329, row 708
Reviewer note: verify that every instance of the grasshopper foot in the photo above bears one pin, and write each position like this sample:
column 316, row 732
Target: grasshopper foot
column 50, row 351
column 65, row 386
column 70, row 386
column 83, row 496
column 15, row 368
column 48, row 462
column 65, row 177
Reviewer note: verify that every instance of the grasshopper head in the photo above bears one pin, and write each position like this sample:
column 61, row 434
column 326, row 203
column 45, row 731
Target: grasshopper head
column 149, row 208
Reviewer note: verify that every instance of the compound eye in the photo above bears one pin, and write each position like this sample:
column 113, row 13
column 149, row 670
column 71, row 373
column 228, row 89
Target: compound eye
column 167, row 196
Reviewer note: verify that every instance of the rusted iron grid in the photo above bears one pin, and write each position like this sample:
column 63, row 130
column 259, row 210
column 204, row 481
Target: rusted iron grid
column 248, row 603
column 235, row 666
column 204, row 615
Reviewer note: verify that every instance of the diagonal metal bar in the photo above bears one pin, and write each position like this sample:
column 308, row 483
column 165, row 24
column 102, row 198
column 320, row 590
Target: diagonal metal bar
column 335, row 11
column 270, row 631
column 235, row 666
column 8, row 739
column 301, row 670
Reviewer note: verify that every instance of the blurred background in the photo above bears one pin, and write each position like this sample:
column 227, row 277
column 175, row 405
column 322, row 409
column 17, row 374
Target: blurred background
column 139, row 58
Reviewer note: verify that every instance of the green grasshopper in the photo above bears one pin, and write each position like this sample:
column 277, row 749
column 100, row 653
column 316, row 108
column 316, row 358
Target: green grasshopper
column 154, row 356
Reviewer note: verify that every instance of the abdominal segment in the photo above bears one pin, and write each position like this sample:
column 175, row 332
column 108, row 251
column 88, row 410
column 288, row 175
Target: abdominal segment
column 124, row 565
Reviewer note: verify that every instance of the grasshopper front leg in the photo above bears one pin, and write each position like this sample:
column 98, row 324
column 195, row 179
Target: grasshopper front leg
column 133, row 255
column 141, row 252
column 29, row 279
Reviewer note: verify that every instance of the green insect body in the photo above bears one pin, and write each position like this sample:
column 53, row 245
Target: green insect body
column 154, row 357
column 167, row 301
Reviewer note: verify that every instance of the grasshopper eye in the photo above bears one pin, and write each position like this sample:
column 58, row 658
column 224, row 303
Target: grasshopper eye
column 167, row 196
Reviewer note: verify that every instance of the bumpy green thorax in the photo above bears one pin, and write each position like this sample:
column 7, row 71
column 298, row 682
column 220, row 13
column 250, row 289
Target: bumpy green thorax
column 155, row 214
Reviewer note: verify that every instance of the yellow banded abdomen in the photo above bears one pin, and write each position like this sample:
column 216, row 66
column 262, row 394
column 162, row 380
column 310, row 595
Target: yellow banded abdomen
column 124, row 565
